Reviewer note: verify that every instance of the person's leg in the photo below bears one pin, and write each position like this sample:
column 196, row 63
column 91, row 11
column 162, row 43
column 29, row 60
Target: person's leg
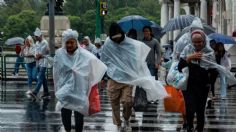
column 223, row 86
column 45, row 85
column 200, row 109
column 40, row 80
column 114, row 93
column 34, row 72
column 127, row 101
column 66, row 119
column 190, row 108
column 153, row 71
column 28, row 70
column 79, row 121
column 22, row 62
column 213, row 78
column 17, row 65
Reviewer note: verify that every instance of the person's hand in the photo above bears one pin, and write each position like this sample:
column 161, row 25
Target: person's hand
column 194, row 56
column 157, row 66
column 38, row 56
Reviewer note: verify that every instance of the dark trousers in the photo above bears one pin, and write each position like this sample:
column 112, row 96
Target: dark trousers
column 213, row 77
column 153, row 70
column 66, row 120
column 195, row 102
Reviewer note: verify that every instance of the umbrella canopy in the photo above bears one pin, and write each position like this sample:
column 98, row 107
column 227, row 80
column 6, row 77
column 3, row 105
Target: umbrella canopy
column 222, row 38
column 134, row 21
column 207, row 30
column 15, row 40
column 179, row 22
column 157, row 30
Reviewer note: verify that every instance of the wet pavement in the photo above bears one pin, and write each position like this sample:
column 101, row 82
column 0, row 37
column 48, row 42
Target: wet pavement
column 19, row 114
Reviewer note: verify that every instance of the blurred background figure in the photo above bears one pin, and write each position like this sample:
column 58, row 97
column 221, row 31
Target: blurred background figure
column 132, row 34
column 28, row 52
column 98, row 50
column 19, row 60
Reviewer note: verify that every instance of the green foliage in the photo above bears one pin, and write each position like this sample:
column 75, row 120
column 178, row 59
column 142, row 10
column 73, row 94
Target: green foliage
column 21, row 25
column 20, row 17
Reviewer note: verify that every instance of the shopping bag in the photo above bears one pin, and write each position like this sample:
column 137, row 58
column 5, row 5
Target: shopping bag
column 177, row 79
column 94, row 101
column 175, row 101
column 140, row 100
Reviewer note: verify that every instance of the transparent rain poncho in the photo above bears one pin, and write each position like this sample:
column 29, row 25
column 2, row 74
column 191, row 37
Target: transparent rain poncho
column 74, row 75
column 126, row 64
column 208, row 59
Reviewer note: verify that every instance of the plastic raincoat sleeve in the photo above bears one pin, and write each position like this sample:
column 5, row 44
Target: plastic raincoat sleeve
column 126, row 64
column 74, row 75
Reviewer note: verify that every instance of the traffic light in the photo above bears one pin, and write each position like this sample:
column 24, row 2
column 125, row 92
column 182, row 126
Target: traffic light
column 103, row 8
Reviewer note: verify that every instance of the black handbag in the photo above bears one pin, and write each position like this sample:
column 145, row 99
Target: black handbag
column 140, row 100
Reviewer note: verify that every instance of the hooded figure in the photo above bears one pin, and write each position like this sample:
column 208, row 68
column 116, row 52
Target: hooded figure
column 75, row 73
column 125, row 59
column 88, row 45
column 185, row 39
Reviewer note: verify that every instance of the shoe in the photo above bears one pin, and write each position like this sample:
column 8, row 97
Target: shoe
column 118, row 128
column 28, row 93
column 46, row 96
column 127, row 127
column 223, row 98
column 185, row 126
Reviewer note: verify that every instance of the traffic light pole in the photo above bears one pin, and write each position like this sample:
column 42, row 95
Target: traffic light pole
column 98, row 19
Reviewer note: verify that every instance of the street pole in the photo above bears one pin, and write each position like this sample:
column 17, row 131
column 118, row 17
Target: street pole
column 51, row 27
column 98, row 19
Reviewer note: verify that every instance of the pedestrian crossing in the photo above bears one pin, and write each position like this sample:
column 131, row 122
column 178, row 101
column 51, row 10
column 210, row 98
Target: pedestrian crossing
column 19, row 114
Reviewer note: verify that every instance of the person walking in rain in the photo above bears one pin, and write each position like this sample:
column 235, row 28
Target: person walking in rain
column 125, row 59
column 154, row 57
column 198, row 84
column 75, row 71
column 88, row 45
column 41, row 54
column 98, row 50
column 28, row 52
column 19, row 61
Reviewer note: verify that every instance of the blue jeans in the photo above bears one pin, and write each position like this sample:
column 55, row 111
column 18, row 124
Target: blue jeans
column 31, row 72
column 19, row 61
column 153, row 70
column 41, row 81
column 223, row 86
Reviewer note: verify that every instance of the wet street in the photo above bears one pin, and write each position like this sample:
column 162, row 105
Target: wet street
column 19, row 114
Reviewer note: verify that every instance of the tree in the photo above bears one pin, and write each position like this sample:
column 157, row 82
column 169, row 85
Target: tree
column 21, row 25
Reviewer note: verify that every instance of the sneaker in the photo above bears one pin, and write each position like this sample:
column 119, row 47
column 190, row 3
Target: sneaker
column 46, row 96
column 127, row 127
column 28, row 93
column 223, row 98
column 118, row 128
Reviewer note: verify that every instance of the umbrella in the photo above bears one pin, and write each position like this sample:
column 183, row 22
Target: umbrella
column 134, row 21
column 222, row 38
column 179, row 22
column 156, row 29
column 15, row 40
column 207, row 30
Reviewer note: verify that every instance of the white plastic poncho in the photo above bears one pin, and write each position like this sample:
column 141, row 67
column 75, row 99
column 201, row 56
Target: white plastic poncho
column 74, row 75
column 208, row 59
column 126, row 64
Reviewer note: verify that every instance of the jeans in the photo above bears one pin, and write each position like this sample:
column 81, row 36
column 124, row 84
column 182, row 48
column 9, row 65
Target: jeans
column 153, row 70
column 19, row 61
column 31, row 72
column 41, row 81
column 223, row 86
column 66, row 120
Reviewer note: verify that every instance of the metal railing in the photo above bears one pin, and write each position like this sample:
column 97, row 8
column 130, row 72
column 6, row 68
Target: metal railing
column 8, row 64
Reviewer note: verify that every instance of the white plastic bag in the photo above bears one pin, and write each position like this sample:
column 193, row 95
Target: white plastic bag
column 178, row 79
